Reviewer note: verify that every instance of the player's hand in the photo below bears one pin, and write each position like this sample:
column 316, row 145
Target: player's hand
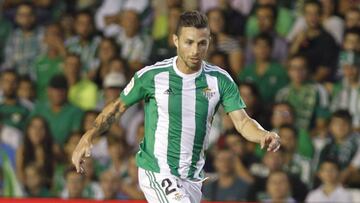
column 271, row 140
column 83, row 149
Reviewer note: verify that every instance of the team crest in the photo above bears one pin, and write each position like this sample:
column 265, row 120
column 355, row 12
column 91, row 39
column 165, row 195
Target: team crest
column 208, row 93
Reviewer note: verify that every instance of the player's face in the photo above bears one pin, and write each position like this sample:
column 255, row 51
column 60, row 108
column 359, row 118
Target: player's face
column 192, row 45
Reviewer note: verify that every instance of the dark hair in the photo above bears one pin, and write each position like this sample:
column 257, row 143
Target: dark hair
column 192, row 19
column 342, row 114
column 264, row 36
column 332, row 161
column 291, row 108
column 290, row 127
column 355, row 31
column 58, row 82
column 316, row 3
column 299, row 55
column 47, row 144
column 270, row 7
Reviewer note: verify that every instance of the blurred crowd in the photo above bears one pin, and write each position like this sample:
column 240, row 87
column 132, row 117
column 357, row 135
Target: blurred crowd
column 296, row 63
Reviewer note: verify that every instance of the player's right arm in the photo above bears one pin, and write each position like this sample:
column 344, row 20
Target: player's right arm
column 102, row 123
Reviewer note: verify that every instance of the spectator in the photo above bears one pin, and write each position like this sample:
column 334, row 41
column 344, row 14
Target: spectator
column 254, row 108
column 352, row 18
column 83, row 93
column 109, row 183
column 283, row 19
column 61, row 166
column 135, row 47
column 37, row 149
column 26, row 92
column 66, row 22
column 346, row 91
column 11, row 107
column 294, row 163
column 333, row 24
column 351, row 40
column 35, row 186
column 24, row 43
column 311, row 42
column 75, row 184
column 268, row 75
column 10, row 140
column 266, row 16
column 48, row 64
column 224, row 42
column 59, row 110
column 119, row 65
column 108, row 50
column 271, row 163
column 5, row 31
column 164, row 47
column 343, row 147
column 278, row 188
column 244, row 154
column 283, row 114
column 331, row 189
column 85, row 43
column 130, row 186
column 99, row 151
column 310, row 99
column 227, row 187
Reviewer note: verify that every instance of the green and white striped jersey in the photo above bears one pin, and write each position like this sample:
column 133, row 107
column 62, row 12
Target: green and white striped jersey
column 178, row 113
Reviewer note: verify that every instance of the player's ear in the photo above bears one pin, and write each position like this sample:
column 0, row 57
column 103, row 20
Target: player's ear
column 176, row 40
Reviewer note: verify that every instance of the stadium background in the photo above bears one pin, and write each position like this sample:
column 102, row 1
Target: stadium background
column 296, row 63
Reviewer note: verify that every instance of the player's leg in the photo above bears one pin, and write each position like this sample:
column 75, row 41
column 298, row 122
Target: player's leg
column 162, row 189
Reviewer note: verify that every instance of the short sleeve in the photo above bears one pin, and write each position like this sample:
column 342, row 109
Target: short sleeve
column 230, row 96
column 133, row 92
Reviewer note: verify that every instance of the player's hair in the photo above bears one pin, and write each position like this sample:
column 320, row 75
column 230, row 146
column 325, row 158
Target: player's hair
column 192, row 19
column 342, row 114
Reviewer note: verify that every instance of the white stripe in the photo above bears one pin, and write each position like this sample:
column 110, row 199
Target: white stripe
column 162, row 64
column 162, row 128
column 188, row 103
column 209, row 67
column 212, row 83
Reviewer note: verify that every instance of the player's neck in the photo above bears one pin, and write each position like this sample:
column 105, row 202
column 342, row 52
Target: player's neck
column 184, row 68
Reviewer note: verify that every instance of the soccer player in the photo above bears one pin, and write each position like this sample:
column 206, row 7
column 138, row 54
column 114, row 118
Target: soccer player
column 181, row 95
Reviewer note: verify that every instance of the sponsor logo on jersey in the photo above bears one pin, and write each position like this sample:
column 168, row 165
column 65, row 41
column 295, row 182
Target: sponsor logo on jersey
column 129, row 87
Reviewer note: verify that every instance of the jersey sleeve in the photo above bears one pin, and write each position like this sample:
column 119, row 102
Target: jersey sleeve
column 230, row 96
column 133, row 92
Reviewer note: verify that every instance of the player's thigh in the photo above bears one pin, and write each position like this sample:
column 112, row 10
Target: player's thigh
column 162, row 189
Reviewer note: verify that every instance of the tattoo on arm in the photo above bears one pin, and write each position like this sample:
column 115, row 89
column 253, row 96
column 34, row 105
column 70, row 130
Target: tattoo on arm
column 106, row 118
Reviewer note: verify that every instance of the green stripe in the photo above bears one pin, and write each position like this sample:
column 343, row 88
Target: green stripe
column 158, row 194
column 175, row 123
column 162, row 191
column 201, row 112
column 146, row 158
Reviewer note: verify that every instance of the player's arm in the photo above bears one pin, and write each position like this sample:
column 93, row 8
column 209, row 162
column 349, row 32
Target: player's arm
column 102, row 123
column 253, row 131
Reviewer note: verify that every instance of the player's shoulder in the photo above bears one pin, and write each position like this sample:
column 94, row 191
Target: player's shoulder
column 158, row 66
column 216, row 71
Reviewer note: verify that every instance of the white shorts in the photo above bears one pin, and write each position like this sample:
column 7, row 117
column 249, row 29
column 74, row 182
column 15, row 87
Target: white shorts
column 159, row 188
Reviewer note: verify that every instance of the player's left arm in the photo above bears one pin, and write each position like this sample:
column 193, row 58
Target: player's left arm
column 253, row 131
